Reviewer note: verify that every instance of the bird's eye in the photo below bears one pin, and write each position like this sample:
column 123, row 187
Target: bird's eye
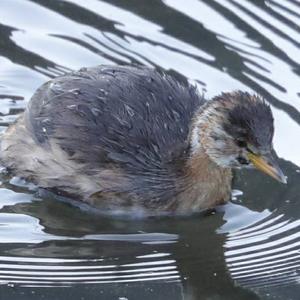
column 241, row 143
column 242, row 160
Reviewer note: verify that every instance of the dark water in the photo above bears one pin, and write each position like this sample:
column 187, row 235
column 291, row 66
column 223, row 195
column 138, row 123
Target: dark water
column 250, row 248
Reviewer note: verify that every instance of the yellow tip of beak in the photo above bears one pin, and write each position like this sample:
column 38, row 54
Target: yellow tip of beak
column 268, row 165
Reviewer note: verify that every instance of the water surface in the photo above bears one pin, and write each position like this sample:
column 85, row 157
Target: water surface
column 247, row 249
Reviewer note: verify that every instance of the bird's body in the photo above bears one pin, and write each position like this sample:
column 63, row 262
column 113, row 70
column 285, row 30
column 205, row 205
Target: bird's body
column 122, row 139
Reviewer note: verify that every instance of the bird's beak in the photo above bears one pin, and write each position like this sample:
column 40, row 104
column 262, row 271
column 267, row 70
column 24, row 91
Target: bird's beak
column 268, row 164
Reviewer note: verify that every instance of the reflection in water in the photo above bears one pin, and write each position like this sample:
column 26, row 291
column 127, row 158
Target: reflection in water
column 249, row 248
column 64, row 272
column 264, row 254
column 79, row 248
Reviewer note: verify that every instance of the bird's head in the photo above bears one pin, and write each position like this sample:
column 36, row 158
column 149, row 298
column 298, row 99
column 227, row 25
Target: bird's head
column 236, row 130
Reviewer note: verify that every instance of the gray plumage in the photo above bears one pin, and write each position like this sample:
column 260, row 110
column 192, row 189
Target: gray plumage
column 132, row 121
column 136, row 116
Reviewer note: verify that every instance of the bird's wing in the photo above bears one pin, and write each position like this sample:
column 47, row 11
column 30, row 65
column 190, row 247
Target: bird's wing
column 136, row 117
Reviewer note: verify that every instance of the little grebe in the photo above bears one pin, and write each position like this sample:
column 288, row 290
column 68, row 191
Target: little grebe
column 124, row 138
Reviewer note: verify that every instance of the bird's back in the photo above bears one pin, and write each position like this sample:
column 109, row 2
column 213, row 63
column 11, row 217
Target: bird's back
column 129, row 122
column 129, row 115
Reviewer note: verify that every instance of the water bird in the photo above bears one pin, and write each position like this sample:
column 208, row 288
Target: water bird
column 136, row 140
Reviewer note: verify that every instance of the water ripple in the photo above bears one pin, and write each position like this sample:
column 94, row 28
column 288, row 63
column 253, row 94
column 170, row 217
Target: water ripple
column 65, row 272
column 265, row 254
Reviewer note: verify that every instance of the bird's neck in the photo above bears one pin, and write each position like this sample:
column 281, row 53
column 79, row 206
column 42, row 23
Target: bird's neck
column 199, row 127
column 207, row 133
column 205, row 184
